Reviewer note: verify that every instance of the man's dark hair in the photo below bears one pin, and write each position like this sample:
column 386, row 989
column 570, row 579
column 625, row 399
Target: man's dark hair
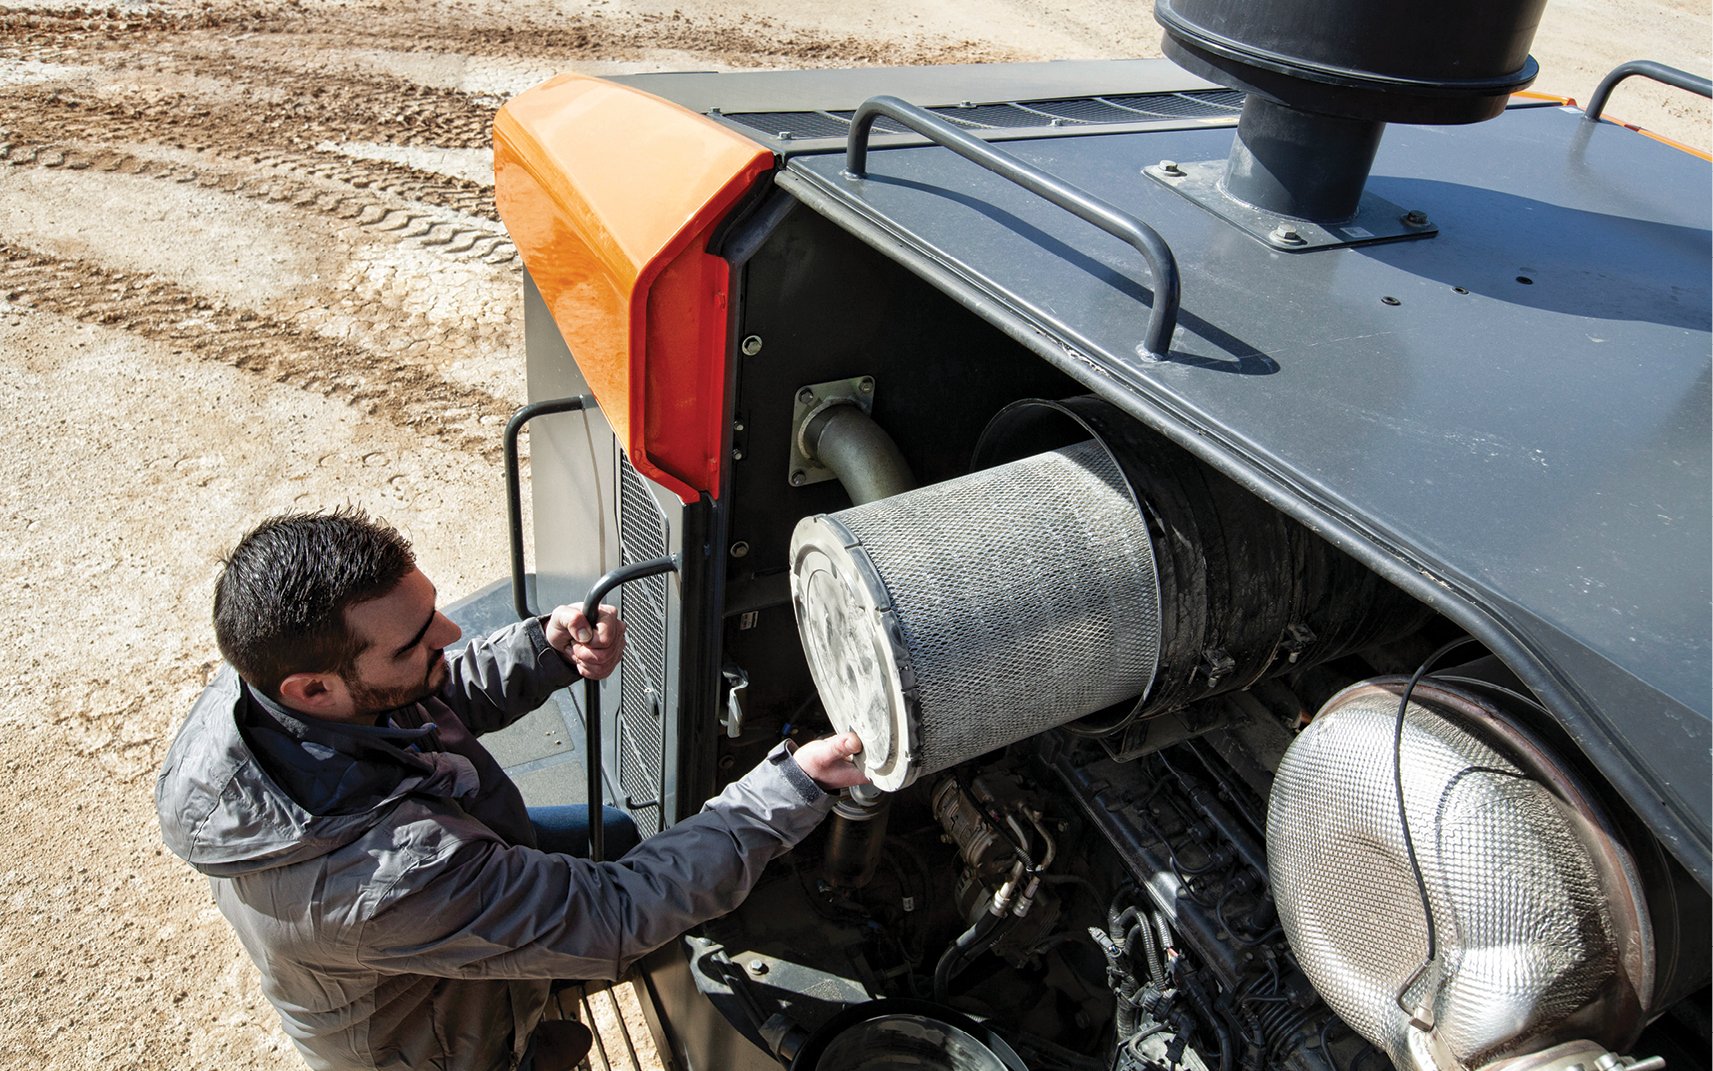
column 280, row 601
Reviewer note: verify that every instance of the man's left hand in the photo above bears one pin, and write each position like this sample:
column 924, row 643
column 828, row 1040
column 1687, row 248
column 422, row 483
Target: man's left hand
column 595, row 651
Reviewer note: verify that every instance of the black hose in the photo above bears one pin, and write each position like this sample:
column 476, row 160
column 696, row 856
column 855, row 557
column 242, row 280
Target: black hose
column 1164, row 929
column 1151, row 956
column 970, row 944
column 1198, row 999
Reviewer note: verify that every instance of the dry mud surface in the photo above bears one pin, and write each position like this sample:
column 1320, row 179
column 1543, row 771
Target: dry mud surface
column 249, row 261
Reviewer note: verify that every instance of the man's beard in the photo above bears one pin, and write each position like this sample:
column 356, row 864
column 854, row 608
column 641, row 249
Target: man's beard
column 373, row 702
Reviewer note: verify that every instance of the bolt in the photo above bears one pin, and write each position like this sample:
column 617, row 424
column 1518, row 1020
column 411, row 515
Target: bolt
column 737, row 453
column 757, row 966
column 867, row 385
column 799, row 478
column 1285, row 234
column 784, row 135
column 740, row 549
column 737, row 425
column 1415, row 217
column 806, row 396
column 1170, row 167
column 752, row 345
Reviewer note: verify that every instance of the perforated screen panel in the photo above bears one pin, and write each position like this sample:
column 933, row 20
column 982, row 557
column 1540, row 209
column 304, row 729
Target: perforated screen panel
column 643, row 534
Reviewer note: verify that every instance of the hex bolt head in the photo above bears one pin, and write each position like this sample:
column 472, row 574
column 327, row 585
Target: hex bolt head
column 737, row 453
column 751, row 345
column 757, row 966
column 1285, row 234
column 1415, row 217
column 1170, row 167
column 799, row 478
column 806, row 396
column 866, row 385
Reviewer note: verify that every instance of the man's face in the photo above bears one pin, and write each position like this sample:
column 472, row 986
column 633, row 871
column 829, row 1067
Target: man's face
column 404, row 654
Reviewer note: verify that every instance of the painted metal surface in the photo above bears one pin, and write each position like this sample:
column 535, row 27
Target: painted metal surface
column 1514, row 413
column 615, row 240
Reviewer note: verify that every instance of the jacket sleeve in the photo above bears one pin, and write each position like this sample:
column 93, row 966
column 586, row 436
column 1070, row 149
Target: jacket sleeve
column 498, row 679
column 484, row 909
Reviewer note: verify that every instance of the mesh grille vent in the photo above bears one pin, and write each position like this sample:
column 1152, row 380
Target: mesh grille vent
column 642, row 687
column 1082, row 111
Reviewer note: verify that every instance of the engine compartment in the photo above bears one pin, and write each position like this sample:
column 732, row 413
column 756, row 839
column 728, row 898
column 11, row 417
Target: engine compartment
column 1096, row 912
column 1098, row 894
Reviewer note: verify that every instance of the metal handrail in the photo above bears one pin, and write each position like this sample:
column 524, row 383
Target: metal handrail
column 1659, row 72
column 1120, row 224
column 514, row 491
column 624, row 574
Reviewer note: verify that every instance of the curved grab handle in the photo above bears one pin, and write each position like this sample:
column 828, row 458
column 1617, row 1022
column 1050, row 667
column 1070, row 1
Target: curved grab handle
column 514, row 493
column 624, row 574
column 1659, row 72
column 1164, row 267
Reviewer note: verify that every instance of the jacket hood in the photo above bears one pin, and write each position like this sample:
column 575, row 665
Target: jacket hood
column 223, row 814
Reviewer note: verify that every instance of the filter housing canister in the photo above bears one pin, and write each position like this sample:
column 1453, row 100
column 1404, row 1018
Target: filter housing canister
column 955, row 619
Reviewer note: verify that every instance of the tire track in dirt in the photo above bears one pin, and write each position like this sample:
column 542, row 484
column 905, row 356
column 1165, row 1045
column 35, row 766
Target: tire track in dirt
column 754, row 42
column 446, row 237
column 49, row 118
column 451, row 414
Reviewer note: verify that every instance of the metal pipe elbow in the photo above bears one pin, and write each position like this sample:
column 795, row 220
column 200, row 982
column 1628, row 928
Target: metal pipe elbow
column 859, row 452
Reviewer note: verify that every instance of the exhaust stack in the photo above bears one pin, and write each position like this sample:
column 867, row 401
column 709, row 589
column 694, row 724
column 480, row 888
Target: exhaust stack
column 1318, row 102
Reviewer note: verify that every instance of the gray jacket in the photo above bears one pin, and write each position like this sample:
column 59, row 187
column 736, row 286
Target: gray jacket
column 401, row 929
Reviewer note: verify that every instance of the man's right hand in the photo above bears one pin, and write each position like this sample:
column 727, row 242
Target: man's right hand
column 594, row 651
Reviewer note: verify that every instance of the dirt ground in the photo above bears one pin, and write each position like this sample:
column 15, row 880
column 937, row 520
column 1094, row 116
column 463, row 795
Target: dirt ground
column 249, row 261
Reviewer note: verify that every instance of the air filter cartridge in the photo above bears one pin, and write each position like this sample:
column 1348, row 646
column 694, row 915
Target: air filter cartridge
column 955, row 619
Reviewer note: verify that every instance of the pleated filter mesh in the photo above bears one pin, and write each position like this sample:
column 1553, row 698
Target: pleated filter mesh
column 1026, row 594
column 1521, row 916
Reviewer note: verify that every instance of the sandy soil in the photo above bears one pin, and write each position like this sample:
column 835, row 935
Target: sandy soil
column 249, row 261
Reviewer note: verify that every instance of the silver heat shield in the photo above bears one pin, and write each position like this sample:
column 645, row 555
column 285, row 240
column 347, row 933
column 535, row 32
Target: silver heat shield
column 955, row 619
column 1541, row 930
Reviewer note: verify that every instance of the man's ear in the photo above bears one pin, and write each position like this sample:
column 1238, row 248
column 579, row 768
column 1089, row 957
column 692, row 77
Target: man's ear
column 321, row 694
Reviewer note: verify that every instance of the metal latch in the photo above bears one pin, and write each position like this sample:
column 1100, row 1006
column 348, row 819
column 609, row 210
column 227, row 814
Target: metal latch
column 737, row 697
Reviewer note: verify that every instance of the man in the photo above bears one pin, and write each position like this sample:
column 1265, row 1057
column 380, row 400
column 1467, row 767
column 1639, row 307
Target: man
column 378, row 866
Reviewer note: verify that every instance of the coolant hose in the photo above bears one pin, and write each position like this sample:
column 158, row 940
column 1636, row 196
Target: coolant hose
column 859, row 452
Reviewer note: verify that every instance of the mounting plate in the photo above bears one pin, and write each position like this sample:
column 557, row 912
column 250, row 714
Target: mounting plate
column 809, row 401
column 1377, row 219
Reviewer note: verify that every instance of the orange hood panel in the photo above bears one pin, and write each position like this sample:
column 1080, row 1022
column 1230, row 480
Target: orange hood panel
column 611, row 195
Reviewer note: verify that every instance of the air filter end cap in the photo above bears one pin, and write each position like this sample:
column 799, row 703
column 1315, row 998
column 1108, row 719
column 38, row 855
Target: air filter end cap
column 855, row 649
